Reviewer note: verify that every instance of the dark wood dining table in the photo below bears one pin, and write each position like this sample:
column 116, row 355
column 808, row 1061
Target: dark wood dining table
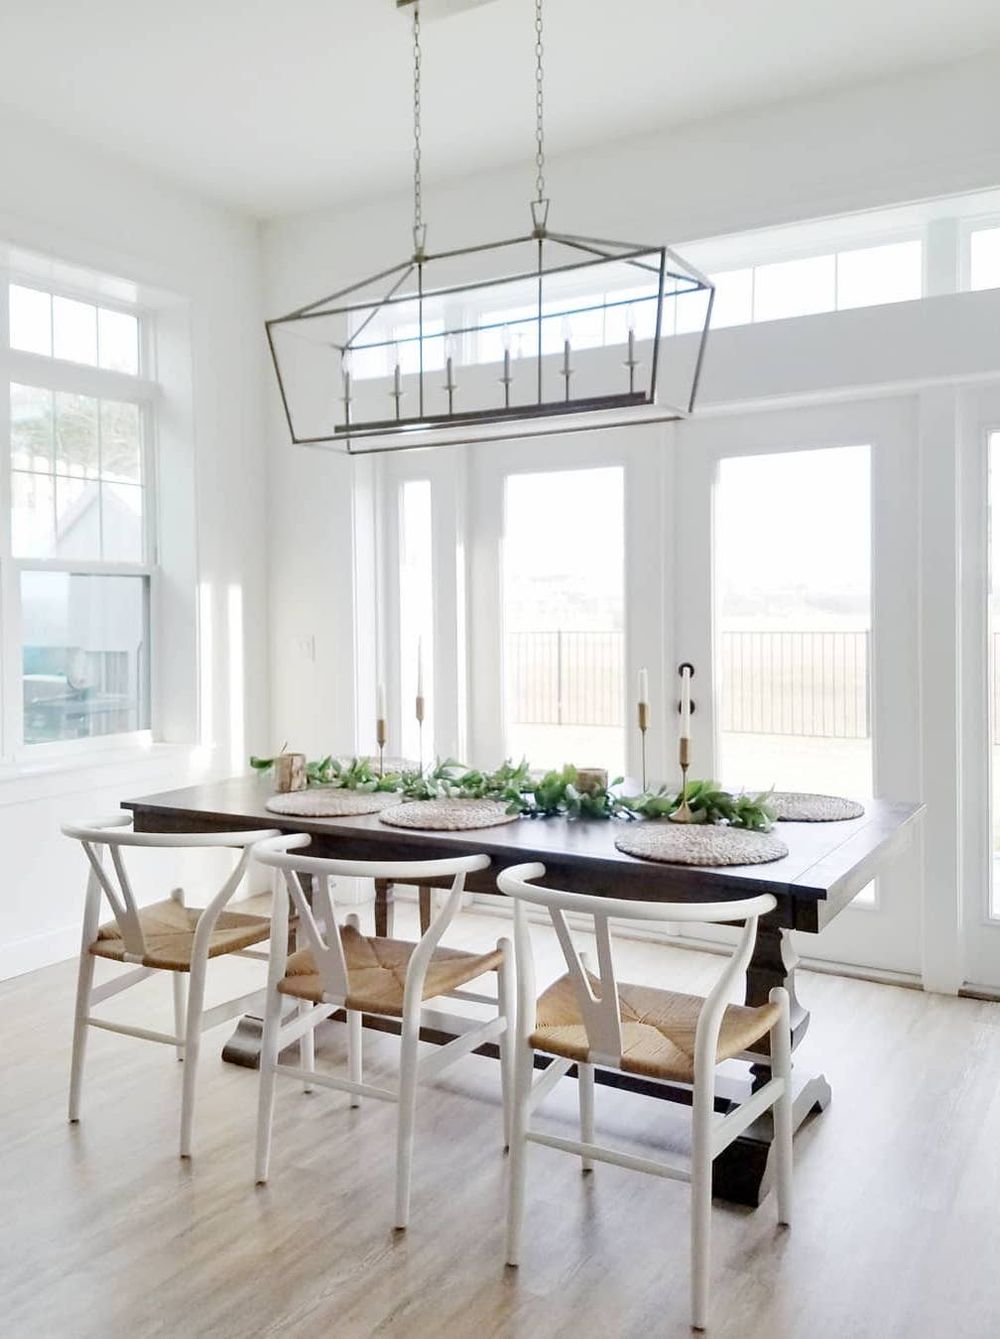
column 828, row 864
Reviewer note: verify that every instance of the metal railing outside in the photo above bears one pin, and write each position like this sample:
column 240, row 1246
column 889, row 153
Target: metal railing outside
column 796, row 683
column 566, row 678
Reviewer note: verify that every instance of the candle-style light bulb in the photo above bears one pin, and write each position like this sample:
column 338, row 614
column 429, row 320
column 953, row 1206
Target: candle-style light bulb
column 397, row 381
column 420, row 667
column 631, row 362
column 345, row 368
column 506, row 379
column 644, row 685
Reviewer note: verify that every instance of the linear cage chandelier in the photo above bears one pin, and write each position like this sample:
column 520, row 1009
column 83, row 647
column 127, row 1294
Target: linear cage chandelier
column 545, row 333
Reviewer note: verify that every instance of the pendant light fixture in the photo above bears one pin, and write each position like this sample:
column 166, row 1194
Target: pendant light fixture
column 545, row 333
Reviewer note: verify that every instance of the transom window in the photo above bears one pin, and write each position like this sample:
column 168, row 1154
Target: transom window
column 76, row 540
column 984, row 257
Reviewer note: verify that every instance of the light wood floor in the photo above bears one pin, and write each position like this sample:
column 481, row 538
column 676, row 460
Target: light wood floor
column 104, row 1233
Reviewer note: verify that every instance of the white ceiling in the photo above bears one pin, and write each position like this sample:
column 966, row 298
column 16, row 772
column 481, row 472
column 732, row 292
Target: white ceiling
column 276, row 105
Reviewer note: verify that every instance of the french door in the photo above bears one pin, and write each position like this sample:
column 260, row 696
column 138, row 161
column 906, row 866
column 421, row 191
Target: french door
column 775, row 552
column 796, row 570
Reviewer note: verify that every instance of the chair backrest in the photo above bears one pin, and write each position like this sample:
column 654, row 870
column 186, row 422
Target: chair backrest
column 110, row 835
column 316, row 908
column 596, row 991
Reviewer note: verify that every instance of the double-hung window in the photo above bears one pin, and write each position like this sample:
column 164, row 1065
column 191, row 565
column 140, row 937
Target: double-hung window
column 76, row 517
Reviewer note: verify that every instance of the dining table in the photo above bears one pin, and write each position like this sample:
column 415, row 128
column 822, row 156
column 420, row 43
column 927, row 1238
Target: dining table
column 827, row 865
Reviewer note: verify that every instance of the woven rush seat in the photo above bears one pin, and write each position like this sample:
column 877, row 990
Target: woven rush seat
column 168, row 929
column 658, row 1028
column 376, row 970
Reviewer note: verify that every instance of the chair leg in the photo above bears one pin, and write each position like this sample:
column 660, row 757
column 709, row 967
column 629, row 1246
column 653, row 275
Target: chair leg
column 518, row 1150
column 268, row 1079
column 354, row 1052
column 192, row 1046
column 701, row 1207
column 781, row 1067
column 585, row 1083
column 180, row 1009
column 307, row 1047
column 407, row 1110
column 507, row 1010
column 84, row 983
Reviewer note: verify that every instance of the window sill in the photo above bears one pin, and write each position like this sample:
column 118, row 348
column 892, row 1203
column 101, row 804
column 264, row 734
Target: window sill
column 24, row 781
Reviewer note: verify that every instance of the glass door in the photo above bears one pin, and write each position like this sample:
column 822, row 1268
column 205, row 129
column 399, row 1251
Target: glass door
column 796, row 561
column 566, row 598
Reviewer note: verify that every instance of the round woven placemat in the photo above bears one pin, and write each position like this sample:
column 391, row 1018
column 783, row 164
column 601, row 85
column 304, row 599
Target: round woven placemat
column 448, row 815
column 792, row 806
column 699, row 844
column 332, row 802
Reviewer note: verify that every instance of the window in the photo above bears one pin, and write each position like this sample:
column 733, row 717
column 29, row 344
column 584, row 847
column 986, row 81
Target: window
column 75, row 488
column 862, row 277
column 794, row 288
column 984, row 258
column 875, row 274
column 564, row 618
column 793, row 607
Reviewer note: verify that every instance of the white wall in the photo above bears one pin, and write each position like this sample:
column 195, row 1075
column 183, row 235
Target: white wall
column 59, row 198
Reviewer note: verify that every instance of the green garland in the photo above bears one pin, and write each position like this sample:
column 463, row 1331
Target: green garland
column 556, row 792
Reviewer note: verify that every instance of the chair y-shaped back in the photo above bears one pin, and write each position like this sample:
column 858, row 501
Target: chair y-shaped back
column 321, row 980
column 599, row 1009
column 659, row 1047
column 316, row 912
column 184, row 941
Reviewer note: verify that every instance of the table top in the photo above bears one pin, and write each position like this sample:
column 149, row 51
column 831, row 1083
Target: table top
column 827, row 865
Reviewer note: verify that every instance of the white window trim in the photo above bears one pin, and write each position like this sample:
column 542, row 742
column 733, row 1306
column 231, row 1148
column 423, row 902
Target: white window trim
column 58, row 374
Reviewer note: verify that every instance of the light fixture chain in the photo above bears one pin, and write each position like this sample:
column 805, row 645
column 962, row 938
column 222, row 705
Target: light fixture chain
column 539, row 103
column 418, row 205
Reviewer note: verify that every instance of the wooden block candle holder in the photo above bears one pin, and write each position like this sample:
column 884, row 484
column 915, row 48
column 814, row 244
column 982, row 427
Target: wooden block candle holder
column 290, row 772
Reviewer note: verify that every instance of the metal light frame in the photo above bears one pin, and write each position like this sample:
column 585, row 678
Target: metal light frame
column 410, row 285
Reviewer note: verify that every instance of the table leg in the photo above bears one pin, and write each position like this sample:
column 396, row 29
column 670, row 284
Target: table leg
column 243, row 1047
column 425, row 909
column 743, row 1173
column 385, row 899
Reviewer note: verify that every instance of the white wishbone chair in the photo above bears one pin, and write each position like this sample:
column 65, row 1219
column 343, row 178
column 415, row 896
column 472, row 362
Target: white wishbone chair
column 587, row 1019
column 343, row 969
column 166, row 936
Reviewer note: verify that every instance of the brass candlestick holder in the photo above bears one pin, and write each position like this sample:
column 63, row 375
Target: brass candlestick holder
column 683, row 813
column 420, row 729
column 381, row 735
column 643, row 727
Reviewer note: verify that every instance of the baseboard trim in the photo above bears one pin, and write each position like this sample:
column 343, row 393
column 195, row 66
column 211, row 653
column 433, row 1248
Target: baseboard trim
column 28, row 955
